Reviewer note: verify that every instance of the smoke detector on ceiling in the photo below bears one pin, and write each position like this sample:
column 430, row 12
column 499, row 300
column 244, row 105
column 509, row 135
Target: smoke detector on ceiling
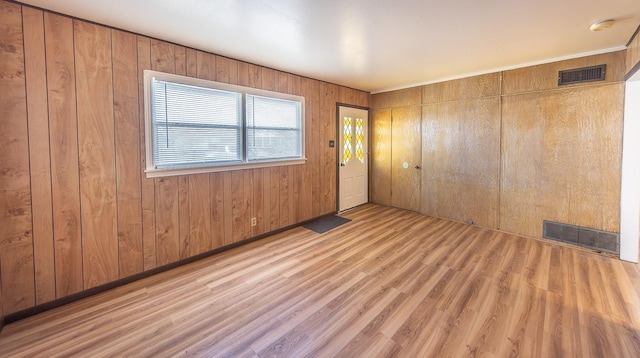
column 601, row 25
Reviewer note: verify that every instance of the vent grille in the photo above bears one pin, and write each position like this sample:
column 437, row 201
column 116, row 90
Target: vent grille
column 580, row 75
column 582, row 236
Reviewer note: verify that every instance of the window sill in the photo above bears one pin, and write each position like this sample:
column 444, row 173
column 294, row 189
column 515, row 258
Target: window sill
column 157, row 173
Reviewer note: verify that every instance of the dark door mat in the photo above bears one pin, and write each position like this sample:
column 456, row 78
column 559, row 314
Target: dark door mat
column 326, row 223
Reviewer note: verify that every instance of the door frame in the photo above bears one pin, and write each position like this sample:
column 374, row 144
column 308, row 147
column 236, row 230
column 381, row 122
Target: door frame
column 337, row 146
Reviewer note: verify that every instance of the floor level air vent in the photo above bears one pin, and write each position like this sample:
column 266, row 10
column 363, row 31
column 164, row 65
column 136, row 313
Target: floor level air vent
column 579, row 75
column 593, row 239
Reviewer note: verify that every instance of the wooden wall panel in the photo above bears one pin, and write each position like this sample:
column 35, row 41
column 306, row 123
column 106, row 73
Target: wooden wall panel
column 216, row 186
column 283, row 196
column 400, row 98
column 96, row 153
column 148, row 193
column 247, row 198
column 258, row 202
column 79, row 138
column 465, row 88
column 267, row 80
column 228, row 207
column 461, row 160
column 561, row 159
column 167, row 218
column 184, row 217
column 380, row 144
column 633, row 53
column 406, row 148
column 282, row 83
column 312, row 95
column 255, row 76
column 362, row 99
column 274, row 192
column 63, row 136
column 347, row 95
column 233, row 71
column 39, row 154
column 199, row 215
column 243, row 73
column 192, row 64
column 328, row 96
column 238, row 206
column 180, row 60
column 16, row 240
column 222, row 69
column 127, row 140
column 295, row 179
column 206, row 66
column 296, row 183
column 545, row 77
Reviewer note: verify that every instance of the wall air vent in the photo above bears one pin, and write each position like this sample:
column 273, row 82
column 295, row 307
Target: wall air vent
column 582, row 236
column 580, row 75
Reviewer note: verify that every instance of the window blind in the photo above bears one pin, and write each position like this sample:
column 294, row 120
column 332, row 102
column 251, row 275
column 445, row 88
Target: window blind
column 274, row 128
column 195, row 126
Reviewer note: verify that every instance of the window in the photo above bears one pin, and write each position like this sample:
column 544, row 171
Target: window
column 196, row 126
column 273, row 128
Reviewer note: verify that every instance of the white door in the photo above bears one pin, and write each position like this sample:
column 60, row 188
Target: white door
column 353, row 157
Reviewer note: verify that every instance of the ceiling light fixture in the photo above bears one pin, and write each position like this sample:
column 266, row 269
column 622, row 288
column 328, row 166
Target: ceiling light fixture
column 601, row 25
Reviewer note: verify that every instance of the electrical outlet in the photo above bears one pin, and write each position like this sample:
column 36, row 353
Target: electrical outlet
column 253, row 221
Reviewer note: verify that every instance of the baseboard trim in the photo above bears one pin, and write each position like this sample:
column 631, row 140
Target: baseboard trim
column 13, row 317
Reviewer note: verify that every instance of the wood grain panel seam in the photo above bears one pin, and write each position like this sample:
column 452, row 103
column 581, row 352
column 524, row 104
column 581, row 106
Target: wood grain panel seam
column 115, row 154
column 460, row 100
column 46, row 79
column 564, row 88
column 75, row 88
column 46, row 105
column 499, row 191
column 381, row 108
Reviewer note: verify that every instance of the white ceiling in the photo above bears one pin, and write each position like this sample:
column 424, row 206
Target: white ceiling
column 373, row 45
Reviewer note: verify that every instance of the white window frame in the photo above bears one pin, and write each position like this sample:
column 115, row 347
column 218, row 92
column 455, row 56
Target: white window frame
column 153, row 172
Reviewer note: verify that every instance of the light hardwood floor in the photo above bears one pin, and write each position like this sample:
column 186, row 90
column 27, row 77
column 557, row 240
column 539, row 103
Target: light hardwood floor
column 389, row 283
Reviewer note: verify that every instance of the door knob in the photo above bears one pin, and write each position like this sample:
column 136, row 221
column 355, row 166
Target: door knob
column 418, row 167
column 342, row 164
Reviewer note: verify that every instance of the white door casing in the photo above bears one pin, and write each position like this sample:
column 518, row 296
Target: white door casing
column 353, row 169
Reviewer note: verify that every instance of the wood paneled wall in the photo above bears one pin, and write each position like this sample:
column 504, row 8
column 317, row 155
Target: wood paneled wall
column 461, row 149
column 381, row 138
column 562, row 147
column 380, row 149
column 510, row 149
column 77, row 209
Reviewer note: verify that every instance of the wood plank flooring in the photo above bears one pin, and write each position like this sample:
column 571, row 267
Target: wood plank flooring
column 389, row 283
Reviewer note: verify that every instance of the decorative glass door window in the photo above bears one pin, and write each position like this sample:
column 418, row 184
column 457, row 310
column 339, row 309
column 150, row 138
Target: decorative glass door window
column 347, row 135
column 360, row 140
